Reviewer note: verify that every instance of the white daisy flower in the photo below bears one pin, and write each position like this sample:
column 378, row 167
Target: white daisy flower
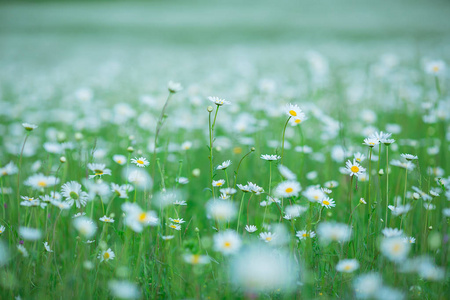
column 353, row 168
column 288, row 188
column 328, row 202
column 286, row 173
column 304, row 234
column 395, row 248
column 140, row 162
column 227, row 242
column 224, row 165
column 217, row 101
column 40, row 181
column 251, row 228
column 106, row 255
column 292, row 110
column 29, row 127
column 409, row 157
column 174, row 87
column 47, row 247
column 85, row 226
column 347, row 265
column 270, row 157
column 106, row 219
column 267, row 237
column 196, row 259
column 72, row 193
column 99, row 170
column 120, row 159
column 175, row 226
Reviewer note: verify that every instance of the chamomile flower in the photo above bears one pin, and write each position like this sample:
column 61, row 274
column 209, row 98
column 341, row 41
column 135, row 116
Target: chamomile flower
column 182, row 180
column 267, row 237
column 177, row 221
column 106, row 255
column 367, row 285
column 251, row 228
column 72, row 193
column 347, row 265
column 254, row 188
column 408, row 165
column 40, row 181
column 227, row 242
column 371, row 142
column 29, row 127
column 224, row 165
column 409, row 157
column 85, row 226
column 292, row 110
column 99, row 170
column 120, row 159
column 30, row 234
column 47, row 247
column 244, row 188
column 395, row 248
column 136, row 218
column 217, row 101
column 391, row 232
column 300, row 118
column 270, row 157
column 106, row 219
column 314, row 194
column 221, row 210
column 354, row 168
column 167, row 237
column 228, row 191
column 174, row 87
column 22, row 250
column 410, row 239
column 141, row 162
column 331, row 184
column 175, row 226
column 380, row 136
column 286, row 173
column 435, row 67
column 2, row 229
column 304, row 234
column 288, row 188
column 359, row 157
column 119, row 190
column 218, row 183
column 9, row 169
column 196, row 259
column 333, row 232
column 328, row 202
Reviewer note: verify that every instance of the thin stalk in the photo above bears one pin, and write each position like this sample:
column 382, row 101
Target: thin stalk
column 387, row 185
column 18, row 178
column 282, row 143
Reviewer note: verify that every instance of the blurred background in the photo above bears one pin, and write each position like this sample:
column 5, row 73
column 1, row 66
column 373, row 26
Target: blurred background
column 92, row 42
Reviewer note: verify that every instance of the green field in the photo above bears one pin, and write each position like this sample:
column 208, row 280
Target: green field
column 304, row 153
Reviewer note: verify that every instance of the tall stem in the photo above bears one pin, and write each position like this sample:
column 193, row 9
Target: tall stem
column 18, row 178
column 387, row 186
column 282, row 143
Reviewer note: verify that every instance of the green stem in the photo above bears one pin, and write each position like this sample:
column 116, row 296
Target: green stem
column 282, row 143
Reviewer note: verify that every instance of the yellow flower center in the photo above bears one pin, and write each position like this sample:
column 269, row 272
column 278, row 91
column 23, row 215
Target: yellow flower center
column 305, row 235
column 173, row 226
column 326, row 202
column 195, row 259
column 140, row 162
column 42, row 183
column 142, row 217
column 347, row 268
column 297, row 121
column 227, row 244
column 106, row 255
column 219, row 183
column 237, row 150
column 293, row 113
column 316, row 197
column 119, row 161
column 396, row 248
column 268, row 238
column 5, row 173
column 354, row 169
column 289, row 190
column 176, row 221
column 435, row 68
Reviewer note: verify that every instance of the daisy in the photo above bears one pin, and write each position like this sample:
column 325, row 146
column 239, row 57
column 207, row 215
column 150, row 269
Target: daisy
column 182, row 180
column 359, row 157
column 106, row 219
column 224, row 165
column 178, row 221
column 288, row 189
column 40, row 181
column 249, row 228
column 175, row 226
column 301, row 117
column 99, row 170
column 22, row 250
column 391, row 232
column 85, row 226
column 366, row 286
column 174, row 87
column 388, row 142
column 295, row 211
column 395, row 248
column 227, row 242
column 254, row 188
column 267, row 236
column 333, row 232
column 347, row 265
column 435, row 67
column 217, row 101
column 30, row 234
column 328, row 202
column 270, row 157
column 400, row 209
column 2, row 229
column 196, row 259
column 410, row 240
column 292, row 110
column 409, row 157
column 72, row 192
column 244, row 188
column 120, row 159
column 380, row 136
column 120, row 191
column 29, row 127
column 106, row 255
column 8, row 169
column 286, row 173
column 61, row 205
column 228, row 191
column 314, row 194
column 218, row 183
column 47, row 247
column 221, row 210
column 408, row 165
column 304, row 234
column 136, row 218
column 371, row 142
column 354, row 169
column 167, row 237
column 140, row 162
column 331, row 184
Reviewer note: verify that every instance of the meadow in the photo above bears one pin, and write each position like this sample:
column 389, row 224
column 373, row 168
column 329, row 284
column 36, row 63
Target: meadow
column 217, row 151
